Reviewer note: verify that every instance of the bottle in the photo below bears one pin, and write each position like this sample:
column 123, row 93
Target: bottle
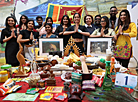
column 112, row 69
column 107, row 82
column 108, row 54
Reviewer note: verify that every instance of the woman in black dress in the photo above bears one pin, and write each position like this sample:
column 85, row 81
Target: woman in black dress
column 65, row 23
column 77, row 32
column 27, row 36
column 9, row 35
column 22, row 23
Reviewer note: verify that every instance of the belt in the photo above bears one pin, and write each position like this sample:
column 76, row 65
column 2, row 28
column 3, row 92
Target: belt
column 78, row 40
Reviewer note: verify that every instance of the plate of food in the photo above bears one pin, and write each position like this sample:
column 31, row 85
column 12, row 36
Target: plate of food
column 98, row 72
column 66, row 76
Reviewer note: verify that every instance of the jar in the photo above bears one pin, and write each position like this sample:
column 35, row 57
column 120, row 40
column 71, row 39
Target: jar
column 41, row 83
column 7, row 68
column 3, row 76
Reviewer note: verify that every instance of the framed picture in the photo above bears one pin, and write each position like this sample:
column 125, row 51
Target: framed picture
column 98, row 46
column 47, row 45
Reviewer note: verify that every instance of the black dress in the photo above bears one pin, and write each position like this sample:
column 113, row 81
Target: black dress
column 79, row 36
column 65, row 37
column 12, row 47
column 26, row 35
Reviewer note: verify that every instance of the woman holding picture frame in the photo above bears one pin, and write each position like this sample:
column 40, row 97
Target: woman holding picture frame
column 124, row 31
column 77, row 31
column 104, row 31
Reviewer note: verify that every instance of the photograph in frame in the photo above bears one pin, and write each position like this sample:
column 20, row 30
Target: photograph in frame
column 98, row 46
column 47, row 45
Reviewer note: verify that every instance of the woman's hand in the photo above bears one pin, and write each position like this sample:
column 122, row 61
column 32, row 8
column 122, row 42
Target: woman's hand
column 13, row 34
column 18, row 31
column 76, row 28
column 23, row 27
column 120, row 29
column 31, row 36
column 102, row 32
column 44, row 23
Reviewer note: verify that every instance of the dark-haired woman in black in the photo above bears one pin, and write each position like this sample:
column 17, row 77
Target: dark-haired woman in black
column 65, row 23
column 22, row 23
column 77, row 31
column 26, row 37
column 9, row 35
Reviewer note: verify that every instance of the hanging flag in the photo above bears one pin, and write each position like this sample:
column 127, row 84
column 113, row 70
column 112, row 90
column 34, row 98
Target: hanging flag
column 58, row 11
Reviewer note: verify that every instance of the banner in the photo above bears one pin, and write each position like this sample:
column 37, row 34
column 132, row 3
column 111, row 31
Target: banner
column 58, row 11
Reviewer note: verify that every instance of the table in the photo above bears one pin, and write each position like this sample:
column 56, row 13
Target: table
column 59, row 82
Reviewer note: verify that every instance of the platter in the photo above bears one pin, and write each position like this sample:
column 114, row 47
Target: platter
column 63, row 78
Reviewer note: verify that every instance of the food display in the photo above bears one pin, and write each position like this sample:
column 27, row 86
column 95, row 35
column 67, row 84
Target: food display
column 98, row 71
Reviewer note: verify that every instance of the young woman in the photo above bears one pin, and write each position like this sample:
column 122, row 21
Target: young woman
column 42, row 30
column 9, row 35
column 77, row 31
column 26, row 37
column 48, row 28
column 124, row 31
column 104, row 31
column 23, row 23
column 65, row 23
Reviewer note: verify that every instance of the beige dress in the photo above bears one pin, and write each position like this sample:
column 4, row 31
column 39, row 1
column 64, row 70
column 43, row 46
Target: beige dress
column 111, row 32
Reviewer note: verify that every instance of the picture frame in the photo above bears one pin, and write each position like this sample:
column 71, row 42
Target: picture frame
column 98, row 46
column 47, row 45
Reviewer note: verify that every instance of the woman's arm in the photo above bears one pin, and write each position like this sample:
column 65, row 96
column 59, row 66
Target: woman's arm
column 19, row 39
column 85, row 9
column 69, row 32
column 38, row 30
column 4, row 38
column 85, row 33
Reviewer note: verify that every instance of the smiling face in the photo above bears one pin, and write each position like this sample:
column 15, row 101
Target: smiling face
column 23, row 20
column 30, row 24
column 39, row 21
column 123, row 16
column 49, row 21
column 113, row 12
column 103, row 22
column 48, row 29
column 88, row 20
column 76, row 18
column 65, row 21
column 97, row 20
column 11, row 22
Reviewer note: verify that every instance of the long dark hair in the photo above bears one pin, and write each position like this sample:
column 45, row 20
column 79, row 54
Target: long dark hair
column 107, row 24
column 29, row 21
column 127, row 21
column 69, row 22
column 50, row 19
column 6, row 22
column 76, row 14
column 20, row 23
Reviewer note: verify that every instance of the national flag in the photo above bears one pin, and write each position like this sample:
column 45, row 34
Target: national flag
column 56, row 12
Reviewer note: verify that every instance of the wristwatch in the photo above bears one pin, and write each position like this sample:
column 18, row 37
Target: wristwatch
column 122, row 33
